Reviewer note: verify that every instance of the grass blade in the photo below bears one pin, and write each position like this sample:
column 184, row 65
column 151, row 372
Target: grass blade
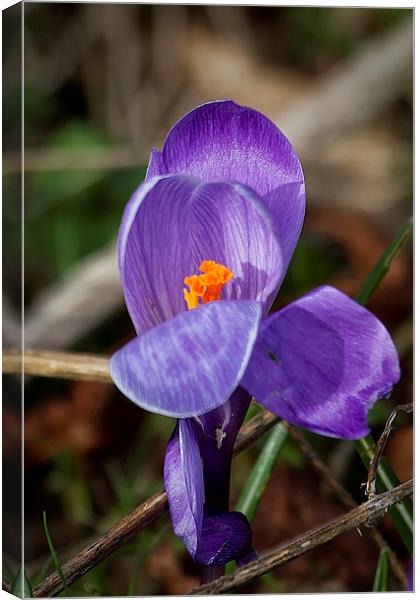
column 21, row 586
column 260, row 474
column 54, row 556
column 401, row 514
column 381, row 581
column 382, row 266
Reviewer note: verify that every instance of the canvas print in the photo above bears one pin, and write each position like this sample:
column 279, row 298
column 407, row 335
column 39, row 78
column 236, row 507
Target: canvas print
column 207, row 299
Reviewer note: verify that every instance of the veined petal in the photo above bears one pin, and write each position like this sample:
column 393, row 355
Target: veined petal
column 230, row 225
column 183, row 474
column 286, row 204
column 223, row 141
column 153, row 256
column 190, row 364
column 211, row 537
column 321, row 362
column 216, row 435
column 172, row 224
column 225, row 536
column 227, row 419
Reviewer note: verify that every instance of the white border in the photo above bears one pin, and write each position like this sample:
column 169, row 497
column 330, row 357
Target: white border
column 344, row 3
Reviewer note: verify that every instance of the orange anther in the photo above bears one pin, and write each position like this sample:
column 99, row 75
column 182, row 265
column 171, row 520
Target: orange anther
column 208, row 286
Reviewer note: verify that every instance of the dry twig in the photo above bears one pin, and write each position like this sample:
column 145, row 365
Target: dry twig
column 90, row 367
column 370, row 510
column 70, row 308
column 55, row 159
column 373, row 469
column 343, row 495
column 64, row 365
column 134, row 522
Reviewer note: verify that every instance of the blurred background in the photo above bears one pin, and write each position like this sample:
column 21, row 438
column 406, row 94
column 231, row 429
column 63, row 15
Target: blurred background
column 103, row 84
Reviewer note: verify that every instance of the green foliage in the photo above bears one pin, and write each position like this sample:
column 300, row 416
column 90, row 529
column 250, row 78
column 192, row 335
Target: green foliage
column 381, row 581
column 122, row 486
column 402, row 513
column 54, row 187
column 21, row 586
column 54, row 555
column 379, row 413
column 291, row 454
column 71, row 213
column 42, row 573
column 384, row 263
column 314, row 261
column 68, row 479
column 257, row 481
column 315, row 37
column 260, row 474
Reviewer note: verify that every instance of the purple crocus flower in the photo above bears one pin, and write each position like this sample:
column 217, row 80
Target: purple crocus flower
column 226, row 196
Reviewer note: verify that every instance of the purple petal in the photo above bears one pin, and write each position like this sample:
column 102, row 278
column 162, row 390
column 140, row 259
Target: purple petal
column 216, row 435
column 223, row 141
column 184, row 484
column 172, row 224
column 286, row 205
column 216, row 537
column 230, row 225
column 321, row 363
column 225, row 536
column 191, row 364
column 153, row 254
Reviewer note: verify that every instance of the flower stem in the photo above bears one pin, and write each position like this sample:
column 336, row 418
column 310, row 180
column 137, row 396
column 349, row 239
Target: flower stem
column 211, row 573
column 260, row 474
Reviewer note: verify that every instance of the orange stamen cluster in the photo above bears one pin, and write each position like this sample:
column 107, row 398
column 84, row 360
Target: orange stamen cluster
column 208, row 286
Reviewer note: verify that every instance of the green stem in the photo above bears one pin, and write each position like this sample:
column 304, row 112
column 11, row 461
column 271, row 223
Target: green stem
column 383, row 265
column 381, row 582
column 260, row 474
column 54, row 555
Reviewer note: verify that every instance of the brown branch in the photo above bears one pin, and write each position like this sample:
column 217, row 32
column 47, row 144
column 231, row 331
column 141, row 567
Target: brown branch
column 254, row 429
column 65, row 365
column 53, row 159
column 359, row 91
column 343, row 495
column 380, row 447
column 133, row 523
column 67, row 310
column 371, row 510
column 105, row 545
column 90, row 367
